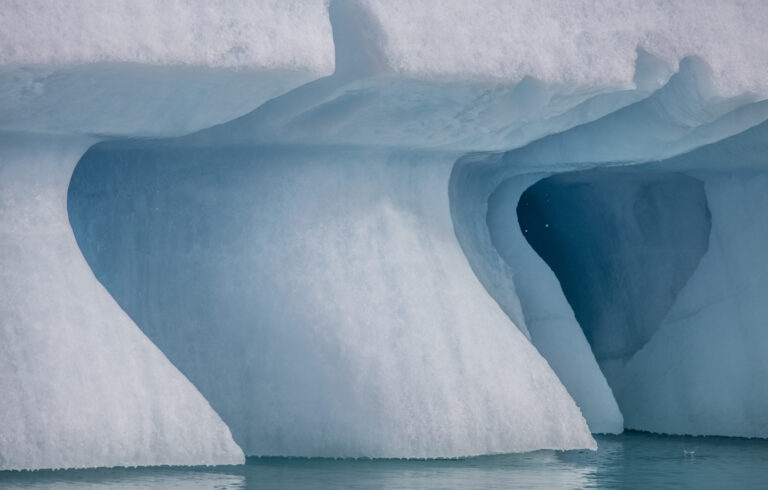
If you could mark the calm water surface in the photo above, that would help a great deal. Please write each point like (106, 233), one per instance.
(631, 460)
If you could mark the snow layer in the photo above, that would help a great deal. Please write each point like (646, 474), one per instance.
(574, 43)
(579, 42)
(148, 68)
(291, 35)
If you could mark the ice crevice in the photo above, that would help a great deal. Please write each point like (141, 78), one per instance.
(314, 257)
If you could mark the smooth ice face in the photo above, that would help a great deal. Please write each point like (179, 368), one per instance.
(705, 367)
(317, 298)
(547, 317)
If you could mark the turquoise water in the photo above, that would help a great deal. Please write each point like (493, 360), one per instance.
(631, 460)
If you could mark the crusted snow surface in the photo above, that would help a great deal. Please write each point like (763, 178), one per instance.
(575, 42)
(264, 35)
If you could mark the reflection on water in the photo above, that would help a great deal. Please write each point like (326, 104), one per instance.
(123, 478)
(631, 460)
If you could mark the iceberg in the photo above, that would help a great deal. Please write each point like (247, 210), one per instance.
(377, 229)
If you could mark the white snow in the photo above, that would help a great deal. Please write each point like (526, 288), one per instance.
(576, 42)
(291, 35)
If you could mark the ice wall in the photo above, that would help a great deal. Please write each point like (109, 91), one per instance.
(317, 297)
(627, 245)
(548, 317)
(663, 264)
(82, 386)
(705, 366)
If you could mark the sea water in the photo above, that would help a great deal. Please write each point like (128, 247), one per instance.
(629, 460)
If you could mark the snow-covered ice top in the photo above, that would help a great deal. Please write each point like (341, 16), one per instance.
(575, 41)
(266, 34)
(578, 41)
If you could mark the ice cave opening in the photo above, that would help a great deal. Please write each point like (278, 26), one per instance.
(638, 283)
(622, 243)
